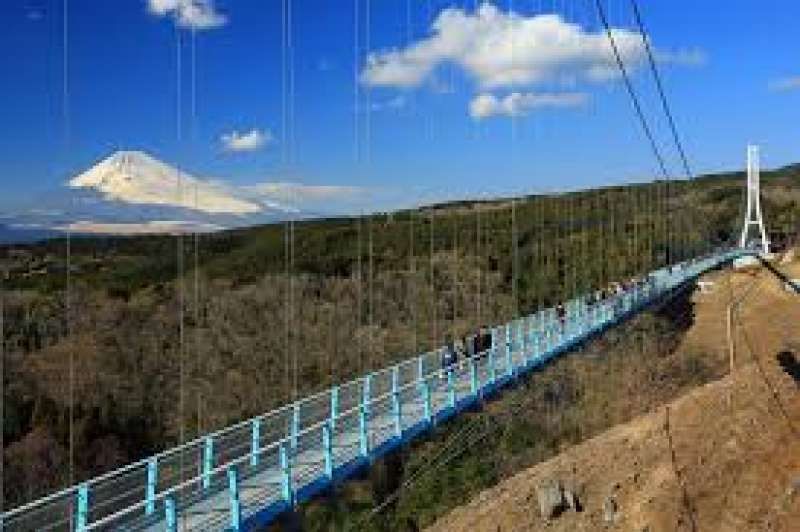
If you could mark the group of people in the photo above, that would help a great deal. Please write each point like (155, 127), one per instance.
(469, 346)
(615, 289)
(476, 345)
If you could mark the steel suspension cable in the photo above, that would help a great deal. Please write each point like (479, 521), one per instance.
(412, 288)
(360, 295)
(196, 238)
(434, 330)
(479, 248)
(660, 87)
(68, 295)
(630, 89)
(456, 291)
(370, 294)
(515, 260)
(2, 392)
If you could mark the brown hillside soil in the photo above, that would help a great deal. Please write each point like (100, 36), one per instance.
(724, 457)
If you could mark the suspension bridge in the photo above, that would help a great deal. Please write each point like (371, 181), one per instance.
(248, 474)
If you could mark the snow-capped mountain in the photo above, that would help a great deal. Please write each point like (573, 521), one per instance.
(131, 192)
(137, 178)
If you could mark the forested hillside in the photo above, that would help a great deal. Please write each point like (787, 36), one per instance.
(170, 337)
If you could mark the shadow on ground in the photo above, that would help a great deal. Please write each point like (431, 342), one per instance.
(789, 364)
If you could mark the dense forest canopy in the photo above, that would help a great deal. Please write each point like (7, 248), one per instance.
(249, 318)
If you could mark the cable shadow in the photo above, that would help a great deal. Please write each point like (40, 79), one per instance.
(779, 274)
(787, 360)
(685, 499)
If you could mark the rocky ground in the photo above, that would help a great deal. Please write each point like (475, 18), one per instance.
(724, 457)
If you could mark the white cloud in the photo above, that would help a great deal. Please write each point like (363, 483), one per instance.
(506, 49)
(194, 14)
(153, 227)
(247, 141)
(487, 105)
(692, 57)
(392, 104)
(34, 14)
(298, 193)
(312, 199)
(786, 84)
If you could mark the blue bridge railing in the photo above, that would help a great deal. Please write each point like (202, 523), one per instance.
(249, 473)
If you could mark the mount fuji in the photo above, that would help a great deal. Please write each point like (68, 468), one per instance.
(131, 192)
(137, 178)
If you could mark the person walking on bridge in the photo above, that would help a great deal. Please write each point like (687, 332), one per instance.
(448, 356)
(561, 313)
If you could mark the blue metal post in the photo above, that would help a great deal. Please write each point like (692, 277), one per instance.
(426, 394)
(152, 480)
(492, 369)
(396, 406)
(473, 376)
(327, 447)
(422, 385)
(509, 351)
(286, 468)
(208, 461)
(545, 338)
(255, 442)
(363, 431)
(233, 492)
(587, 318)
(528, 341)
(295, 424)
(367, 392)
(451, 388)
(170, 515)
(572, 319)
(82, 508)
(334, 406)
(366, 398)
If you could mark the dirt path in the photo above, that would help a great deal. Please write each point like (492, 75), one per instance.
(724, 457)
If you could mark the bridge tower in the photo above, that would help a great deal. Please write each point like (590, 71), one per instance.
(753, 216)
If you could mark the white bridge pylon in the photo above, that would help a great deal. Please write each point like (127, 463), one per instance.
(753, 216)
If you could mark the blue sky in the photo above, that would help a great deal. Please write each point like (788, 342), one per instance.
(732, 71)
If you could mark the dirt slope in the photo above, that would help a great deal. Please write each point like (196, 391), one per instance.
(725, 457)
